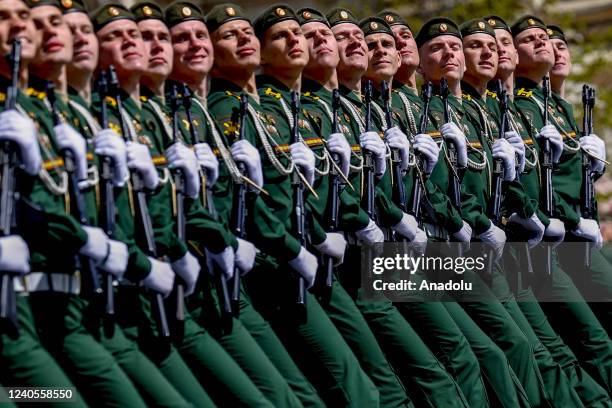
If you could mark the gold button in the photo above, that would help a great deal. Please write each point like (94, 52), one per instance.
(280, 12)
(443, 28)
(344, 14)
(113, 11)
(230, 11)
(186, 11)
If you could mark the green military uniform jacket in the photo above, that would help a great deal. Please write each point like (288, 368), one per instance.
(529, 97)
(264, 227)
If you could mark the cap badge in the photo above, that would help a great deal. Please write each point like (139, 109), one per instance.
(280, 12)
(186, 11)
(443, 28)
(344, 14)
(481, 25)
(230, 11)
(113, 11)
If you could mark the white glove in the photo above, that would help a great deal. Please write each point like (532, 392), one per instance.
(333, 246)
(14, 255)
(97, 246)
(306, 265)
(589, 230)
(139, 159)
(396, 139)
(419, 243)
(304, 158)
(454, 135)
(69, 139)
(161, 277)
(181, 157)
(504, 151)
(337, 143)
(464, 234)
(20, 129)
(371, 234)
(429, 150)
(551, 133)
(496, 238)
(223, 260)
(596, 146)
(117, 259)
(531, 224)
(555, 232)
(188, 268)
(108, 143)
(371, 142)
(245, 152)
(208, 161)
(407, 227)
(245, 256)
(519, 148)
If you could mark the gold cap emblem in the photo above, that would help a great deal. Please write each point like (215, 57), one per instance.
(67, 4)
(389, 18)
(549, 31)
(443, 28)
(230, 11)
(280, 12)
(343, 14)
(113, 11)
(531, 21)
(186, 11)
(307, 15)
(147, 11)
(492, 22)
(481, 25)
(373, 25)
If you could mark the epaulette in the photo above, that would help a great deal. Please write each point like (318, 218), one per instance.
(35, 93)
(270, 92)
(492, 94)
(524, 92)
(467, 97)
(230, 93)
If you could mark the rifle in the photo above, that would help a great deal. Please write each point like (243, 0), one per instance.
(142, 209)
(547, 164)
(108, 193)
(8, 198)
(179, 183)
(298, 196)
(368, 161)
(86, 265)
(334, 203)
(399, 192)
(503, 127)
(588, 191)
(239, 207)
(417, 187)
(208, 201)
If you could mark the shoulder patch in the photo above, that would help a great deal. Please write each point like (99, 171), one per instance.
(525, 93)
(492, 94)
(467, 97)
(270, 92)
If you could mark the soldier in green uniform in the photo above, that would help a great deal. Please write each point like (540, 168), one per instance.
(588, 390)
(480, 49)
(63, 326)
(397, 338)
(441, 54)
(196, 346)
(25, 362)
(599, 271)
(583, 332)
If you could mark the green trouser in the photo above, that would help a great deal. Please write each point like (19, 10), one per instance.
(154, 388)
(495, 319)
(425, 378)
(314, 342)
(262, 365)
(578, 326)
(443, 336)
(591, 394)
(505, 389)
(594, 282)
(134, 315)
(353, 327)
(25, 363)
(59, 320)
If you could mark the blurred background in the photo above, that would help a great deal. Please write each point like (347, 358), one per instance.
(587, 25)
